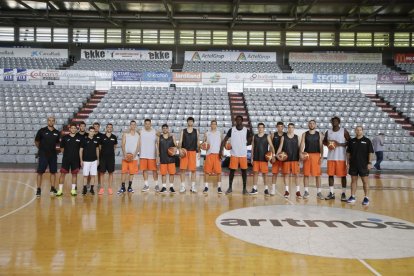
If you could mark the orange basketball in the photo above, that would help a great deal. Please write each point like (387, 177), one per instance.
(228, 146)
(305, 156)
(268, 156)
(205, 146)
(331, 145)
(129, 157)
(282, 156)
(172, 151)
(183, 152)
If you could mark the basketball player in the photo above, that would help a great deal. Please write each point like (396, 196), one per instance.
(130, 145)
(277, 164)
(70, 147)
(240, 138)
(98, 137)
(167, 162)
(89, 156)
(312, 144)
(82, 130)
(290, 144)
(212, 166)
(337, 157)
(147, 151)
(46, 140)
(260, 146)
(359, 155)
(107, 158)
(189, 140)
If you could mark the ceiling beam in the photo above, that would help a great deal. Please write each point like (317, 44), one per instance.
(373, 14)
(102, 14)
(302, 15)
(36, 12)
(235, 12)
(169, 13)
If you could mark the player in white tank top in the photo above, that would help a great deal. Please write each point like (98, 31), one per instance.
(147, 152)
(213, 137)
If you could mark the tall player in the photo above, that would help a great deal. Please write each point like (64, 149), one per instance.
(260, 146)
(240, 138)
(82, 130)
(89, 156)
(147, 152)
(189, 140)
(70, 147)
(337, 161)
(212, 165)
(311, 150)
(107, 158)
(277, 164)
(167, 162)
(98, 137)
(290, 144)
(46, 140)
(130, 145)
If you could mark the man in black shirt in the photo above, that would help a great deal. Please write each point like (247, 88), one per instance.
(167, 163)
(98, 137)
(46, 140)
(70, 146)
(82, 130)
(107, 157)
(89, 156)
(359, 154)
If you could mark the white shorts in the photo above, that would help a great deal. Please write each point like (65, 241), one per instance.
(90, 168)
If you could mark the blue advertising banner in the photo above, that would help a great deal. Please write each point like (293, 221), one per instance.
(8, 74)
(329, 78)
(126, 76)
(21, 74)
(157, 76)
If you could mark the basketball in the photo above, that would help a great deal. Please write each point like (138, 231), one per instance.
(305, 156)
(268, 156)
(205, 146)
(183, 152)
(172, 151)
(331, 145)
(228, 146)
(129, 157)
(282, 156)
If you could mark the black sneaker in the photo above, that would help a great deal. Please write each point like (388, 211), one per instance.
(92, 191)
(266, 192)
(38, 192)
(229, 191)
(343, 197)
(172, 190)
(245, 192)
(53, 191)
(219, 190)
(254, 192)
(205, 190)
(330, 196)
(121, 191)
(163, 190)
(85, 190)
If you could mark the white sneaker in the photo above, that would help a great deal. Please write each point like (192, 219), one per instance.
(145, 189)
(157, 188)
(193, 189)
(182, 189)
(273, 192)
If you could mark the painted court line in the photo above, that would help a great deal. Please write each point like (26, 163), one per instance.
(23, 206)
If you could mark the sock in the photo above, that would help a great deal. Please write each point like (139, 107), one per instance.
(164, 184)
(331, 189)
(219, 184)
(171, 185)
(123, 185)
(156, 182)
(319, 190)
(274, 187)
(297, 188)
(287, 188)
(255, 187)
(73, 186)
(146, 182)
(266, 187)
(244, 177)
(231, 177)
(206, 184)
(307, 189)
(192, 184)
(60, 187)
(129, 184)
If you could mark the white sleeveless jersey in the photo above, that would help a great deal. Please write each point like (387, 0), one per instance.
(238, 142)
(131, 142)
(214, 139)
(339, 153)
(148, 144)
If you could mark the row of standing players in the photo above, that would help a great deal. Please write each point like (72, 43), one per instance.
(95, 153)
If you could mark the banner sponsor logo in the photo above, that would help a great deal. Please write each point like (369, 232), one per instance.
(8, 74)
(126, 54)
(94, 54)
(157, 76)
(329, 78)
(126, 76)
(404, 58)
(186, 77)
(230, 56)
(159, 55)
(46, 54)
(33, 53)
(6, 53)
(392, 79)
(21, 74)
(44, 75)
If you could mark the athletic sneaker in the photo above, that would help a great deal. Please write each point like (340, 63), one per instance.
(298, 195)
(254, 192)
(110, 192)
(229, 191)
(101, 191)
(121, 191)
(182, 189)
(53, 191)
(330, 196)
(92, 191)
(163, 190)
(193, 190)
(343, 197)
(266, 192)
(205, 190)
(320, 196)
(273, 192)
(219, 190)
(305, 195)
(145, 189)
(351, 199)
(59, 193)
(73, 192)
(286, 195)
(130, 190)
(365, 201)
(38, 192)
(245, 192)
(85, 190)
(172, 190)
(157, 188)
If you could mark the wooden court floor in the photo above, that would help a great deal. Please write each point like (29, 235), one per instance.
(152, 234)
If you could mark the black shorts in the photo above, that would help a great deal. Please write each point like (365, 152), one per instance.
(358, 172)
(106, 164)
(70, 166)
(47, 161)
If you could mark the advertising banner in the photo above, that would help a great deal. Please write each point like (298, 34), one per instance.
(335, 57)
(329, 78)
(241, 56)
(392, 79)
(125, 54)
(126, 76)
(8, 74)
(157, 76)
(404, 58)
(186, 76)
(21, 74)
(33, 53)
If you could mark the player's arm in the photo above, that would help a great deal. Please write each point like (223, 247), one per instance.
(302, 144)
(252, 155)
(272, 148)
(347, 138)
(97, 154)
(325, 139)
(279, 150)
(205, 137)
(137, 146)
(123, 145)
(115, 143)
(81, 155)
(370, 154)
(37, 139)
(224, 141)
(139, 143)
(321, 137)
(249, 137)
(62, 146)
(180, 143)
(198, 145)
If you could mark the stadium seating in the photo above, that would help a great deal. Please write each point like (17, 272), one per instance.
(340, 68)
(407, 67)
(31, 63)
(403, 100)
(122, 65)
(231, 66)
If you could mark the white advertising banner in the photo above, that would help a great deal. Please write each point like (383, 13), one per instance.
(252, 77)
(335, 57)
(241, 56)
(23, 75)
(125, 54)
(33, 53)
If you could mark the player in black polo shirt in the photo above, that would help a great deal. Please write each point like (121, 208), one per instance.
(107, 157)
(359, 154)
(89, 155)
(46, 140)
(98, 137)
(82, 130)
(70, 146)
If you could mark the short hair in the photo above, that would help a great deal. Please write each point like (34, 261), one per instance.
(132, 121)
(239, 116)
(380, 133)
(73, 124)
(260, 124)
(336, 118)
(360, 127)
(96, 123)
(291, 124)
(312, 120)
(109, 124)
(164, 125)
(280, 124)
(147, 120)
(82, 123)
(190, 119)
(91, 128)
(213, 121)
